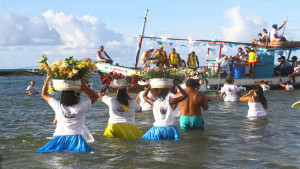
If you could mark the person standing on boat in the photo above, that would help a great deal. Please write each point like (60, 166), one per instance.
(163, 127)
(161, 55)
(224, 65)
(274, 33)
(230, 91)
(31, 88)
(284, 68)
(252, 61)
(121, 123)
(70, 116)
(190, 108)
(192, 60)
(147, 55)
(256, 101)
(102, 56)
(174, 59)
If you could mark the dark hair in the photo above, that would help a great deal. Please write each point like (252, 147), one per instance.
(259, 91)
(259, 34)
(228, 80)
(274, 26)
(266, 82)
(264, 29)
(261, 82)
(192, 83)
(159, 92)
(288, 82)
(240, 48)
(123, 97)
(295, 57)
(68, 98)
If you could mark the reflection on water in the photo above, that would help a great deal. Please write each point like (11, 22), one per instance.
(230, 139)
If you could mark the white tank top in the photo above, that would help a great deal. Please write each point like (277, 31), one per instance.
(289, 87)
(256, 109)
(145, 106)
(102, 54)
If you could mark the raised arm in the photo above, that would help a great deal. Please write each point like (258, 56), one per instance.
(246, 97)
(281, 84)
(137, 97)
(179, 99)
(147, 99)
(45, 89)
(282, 25)
(90, 93)
(100, 94)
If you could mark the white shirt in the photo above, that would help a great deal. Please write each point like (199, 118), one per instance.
(31, 89)
(70, 120)
(274, 31)
(265, 87)
(163, 112)
(289, 87)
(117, 113)
(183, 86)
(230, 92)
(202, 87)
(224, 64)
(297, 69)
(145, 106)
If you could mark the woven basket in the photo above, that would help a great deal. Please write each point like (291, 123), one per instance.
(118, 84)
(60, 85)
(161, 83)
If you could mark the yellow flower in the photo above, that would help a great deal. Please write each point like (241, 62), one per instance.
(71, 74)
(41, 61)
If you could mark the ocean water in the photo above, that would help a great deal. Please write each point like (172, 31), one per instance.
(229, 140)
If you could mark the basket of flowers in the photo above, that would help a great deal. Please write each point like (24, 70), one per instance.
(161, 77)
(118, 80)
(66, 73)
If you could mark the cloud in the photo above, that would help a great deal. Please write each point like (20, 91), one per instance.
(60, 35)
(17, 30)
(240, 28)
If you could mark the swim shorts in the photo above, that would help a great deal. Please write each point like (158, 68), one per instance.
(191, 123)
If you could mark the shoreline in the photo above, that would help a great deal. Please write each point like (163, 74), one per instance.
(21, 73)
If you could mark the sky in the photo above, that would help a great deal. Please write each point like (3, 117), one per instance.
(77, 28)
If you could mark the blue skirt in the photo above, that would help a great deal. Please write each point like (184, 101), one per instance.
(71, 143)
(162, 133)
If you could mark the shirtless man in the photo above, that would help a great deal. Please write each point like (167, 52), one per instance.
(190, 108)
(102, 56)
(146, 56)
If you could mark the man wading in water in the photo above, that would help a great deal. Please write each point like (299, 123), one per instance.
(190, 108)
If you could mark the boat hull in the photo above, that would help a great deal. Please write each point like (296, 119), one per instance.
(106, 68)
(273, 81)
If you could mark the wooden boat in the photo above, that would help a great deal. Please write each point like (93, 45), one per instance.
(283, 44)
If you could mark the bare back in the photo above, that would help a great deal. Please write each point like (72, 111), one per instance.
(191, 106)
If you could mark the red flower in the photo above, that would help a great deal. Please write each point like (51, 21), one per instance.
(87, 59)
(108, 80)
(128, 89)
(111, 73)
(133, 81)
(120, 74)
(123, 77)
(115, 73)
